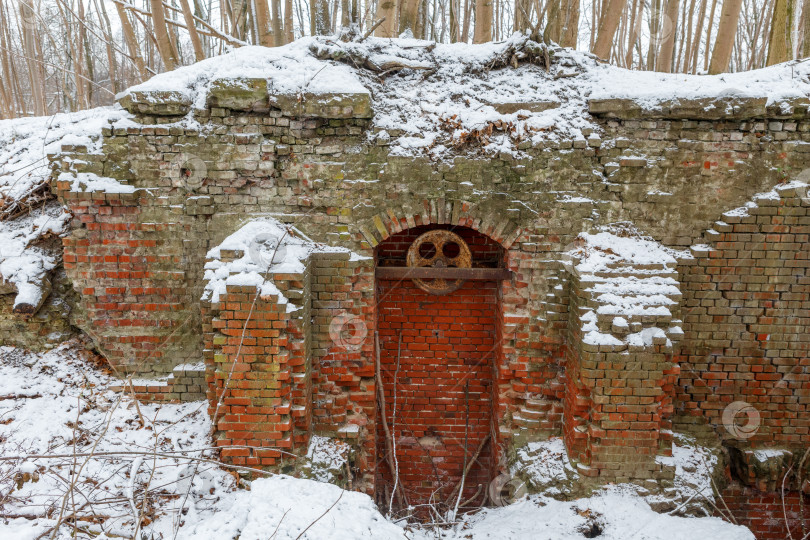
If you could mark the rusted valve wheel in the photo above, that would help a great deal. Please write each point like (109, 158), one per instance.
(439, 249)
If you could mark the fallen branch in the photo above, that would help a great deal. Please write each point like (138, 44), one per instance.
(466, 438)
(25, 203)
(16, 396)
(371, 30)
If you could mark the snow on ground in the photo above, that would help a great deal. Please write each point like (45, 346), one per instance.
(57, 404)
(26, 142)
(24, 146)
(23, 264)
(609, 516)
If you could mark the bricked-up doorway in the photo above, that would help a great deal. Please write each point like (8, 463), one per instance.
(445, 371)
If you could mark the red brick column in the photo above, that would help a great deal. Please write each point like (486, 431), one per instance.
(254, 357)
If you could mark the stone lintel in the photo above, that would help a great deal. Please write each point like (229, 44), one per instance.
(156, 103)
(708, 108)
(324, 105)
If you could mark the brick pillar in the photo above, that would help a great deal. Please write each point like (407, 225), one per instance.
(619, 370)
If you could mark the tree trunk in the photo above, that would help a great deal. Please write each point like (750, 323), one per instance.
(664, 62)
(496, 31)
(262, 15)
(726, 34)
(780, 48)
(454, 21)
(132, 42)
(387, 9)
(522, 10)
(698, 33)
(709, 37)
(289, 26)
(164, 44)
(655, 28)
(28, 16)
(806, 29)
(188, 16)
(409, 17)
(569, 22)
(84, 46)
(112, 68)
(278, 33)
(465, 26)
(563, 21)
(483, 21)
(633, 31)
(607, 28)
(687, 51)
(319, 17)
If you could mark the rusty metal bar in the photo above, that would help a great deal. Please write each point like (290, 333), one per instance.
(429, 272)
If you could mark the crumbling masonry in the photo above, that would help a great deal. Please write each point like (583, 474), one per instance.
(556, 332)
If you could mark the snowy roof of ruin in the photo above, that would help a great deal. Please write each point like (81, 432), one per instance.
(428, 96)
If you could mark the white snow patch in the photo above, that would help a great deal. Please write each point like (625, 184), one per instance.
(264, 247)
(23, 264)
(60, 398)
(291, 69)
(94, 182)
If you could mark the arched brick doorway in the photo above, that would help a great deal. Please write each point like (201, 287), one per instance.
(442, 352)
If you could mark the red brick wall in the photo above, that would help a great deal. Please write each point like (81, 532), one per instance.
(449, 344)
(764, 512)
(747, 313)
(445, 384)
(132, 289)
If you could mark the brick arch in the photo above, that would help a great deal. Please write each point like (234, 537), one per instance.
(395, 219)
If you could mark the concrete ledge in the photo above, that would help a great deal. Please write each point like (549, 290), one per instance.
(324, 105)
(239, 94)
(156, 103)
(710, 108)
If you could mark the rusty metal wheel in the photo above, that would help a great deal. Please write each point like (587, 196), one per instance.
(439, 249)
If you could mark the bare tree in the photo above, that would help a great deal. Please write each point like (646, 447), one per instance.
(483, 21)
(693, 61)
(664, 61)
(780, 48)
(36, 77)
(164, 43)
(607, 28)
(726, 33)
